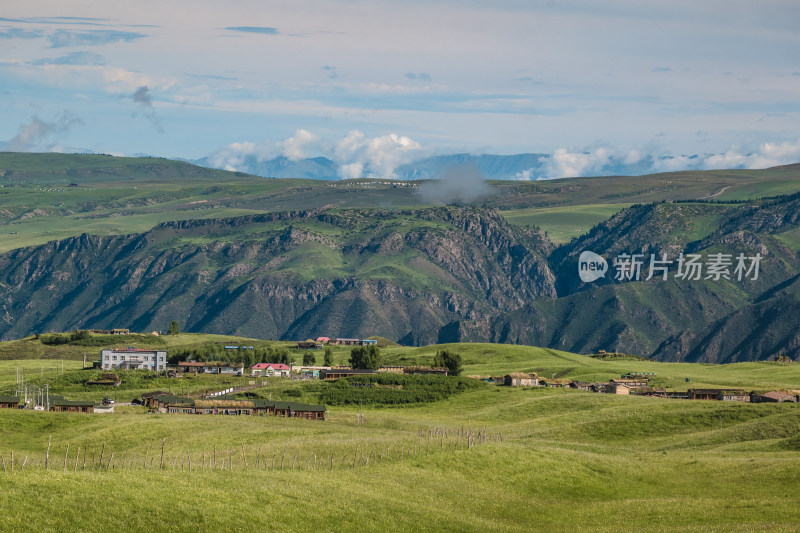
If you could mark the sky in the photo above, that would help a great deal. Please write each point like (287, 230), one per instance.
(375, 84)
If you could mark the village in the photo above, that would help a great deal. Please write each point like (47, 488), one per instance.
(224, 402)
(638, 384)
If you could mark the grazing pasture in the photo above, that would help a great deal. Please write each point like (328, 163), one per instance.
(471, 457)
(550, 460)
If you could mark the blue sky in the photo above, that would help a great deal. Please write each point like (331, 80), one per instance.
(380, 83)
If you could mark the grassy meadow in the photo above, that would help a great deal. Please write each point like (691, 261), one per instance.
(563, 224)
(44, 197)
(486, 458)
(552, 460)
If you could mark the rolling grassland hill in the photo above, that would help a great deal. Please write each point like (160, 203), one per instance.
(486, 457)
(52, 196)
(490, 458)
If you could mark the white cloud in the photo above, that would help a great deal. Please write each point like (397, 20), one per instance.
(525, 175)
(351, 171)
(234, 156)
(565, 163)
(767, 155)
(375, 156)
(237, 156)
(296, 147)
(355, 154)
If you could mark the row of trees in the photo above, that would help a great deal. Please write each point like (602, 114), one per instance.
(361, 357)
(310, 358)
(241, 355)
(366, 357)
(449, 360)
(369, 357)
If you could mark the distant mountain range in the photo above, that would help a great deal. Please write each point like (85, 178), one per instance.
(492, 167)
(499, 167)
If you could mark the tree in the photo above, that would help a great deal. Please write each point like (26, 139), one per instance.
(449, 360)
(328, 356)
(173, 328)
(309, 359)
(367, 357)
(79, 335)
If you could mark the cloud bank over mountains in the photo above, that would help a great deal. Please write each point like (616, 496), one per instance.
(357, 155)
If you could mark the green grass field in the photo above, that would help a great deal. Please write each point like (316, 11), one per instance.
(131, 195)
(488, 458)
(480, 359)
(552, 460)
(32, 348)
(563, 224)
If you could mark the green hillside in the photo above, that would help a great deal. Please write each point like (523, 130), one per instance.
(117, 196)
(486, 457)
(495, 458)
(44, 363)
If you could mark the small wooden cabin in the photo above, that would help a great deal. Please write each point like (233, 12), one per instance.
(521, 379)
(73, 406)
(9, 402)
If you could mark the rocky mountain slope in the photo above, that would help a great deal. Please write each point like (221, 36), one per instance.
(404, 275)
(422, 276)
(321, 259)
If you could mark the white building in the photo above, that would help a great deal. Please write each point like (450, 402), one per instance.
(134, 359)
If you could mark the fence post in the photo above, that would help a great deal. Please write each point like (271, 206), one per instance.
(47, 455)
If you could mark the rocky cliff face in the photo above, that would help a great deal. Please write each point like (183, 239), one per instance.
(401, 275)
(423, 276)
